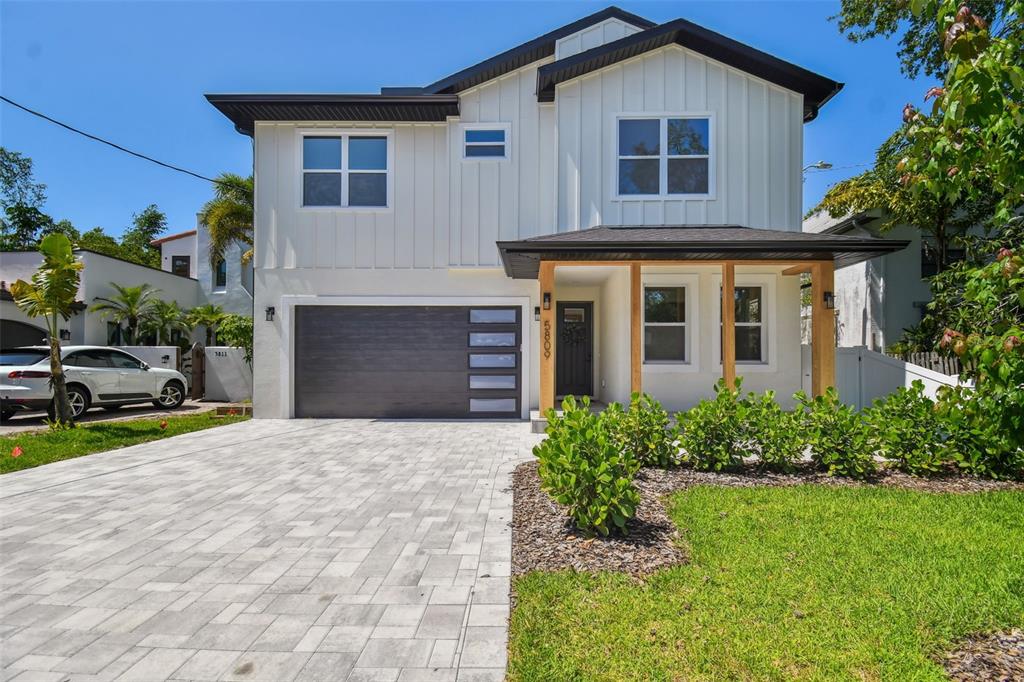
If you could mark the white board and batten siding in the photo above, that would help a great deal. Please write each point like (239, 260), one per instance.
(757, 145)
(594, 36)
(447, 212)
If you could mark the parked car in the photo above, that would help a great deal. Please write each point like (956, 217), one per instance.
(96, 376)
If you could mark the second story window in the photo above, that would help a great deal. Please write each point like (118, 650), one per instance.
(345, 171)
(486, 143)
(667, 156)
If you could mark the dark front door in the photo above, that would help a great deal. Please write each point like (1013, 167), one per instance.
(574, 354)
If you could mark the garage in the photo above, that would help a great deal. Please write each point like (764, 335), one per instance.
(405, 362)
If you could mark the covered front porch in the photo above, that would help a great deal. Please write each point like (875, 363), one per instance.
(671, 310)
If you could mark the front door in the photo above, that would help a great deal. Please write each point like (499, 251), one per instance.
(574, 356)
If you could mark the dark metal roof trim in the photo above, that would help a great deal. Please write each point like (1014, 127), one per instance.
(816, 89)
(719, 242)
(528, 52)
(245, 110)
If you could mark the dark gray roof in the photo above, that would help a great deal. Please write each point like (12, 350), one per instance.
(245, 110)
(816, 89)
(528, 52)
(692, 242)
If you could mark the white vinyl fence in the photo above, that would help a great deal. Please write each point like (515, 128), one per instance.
(863, 375)
(227, 374)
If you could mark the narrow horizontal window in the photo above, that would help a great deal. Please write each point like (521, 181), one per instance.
(492, 316)
(492, 381)
(497, 339)
(485, 143)
(492, 404)
(492, 360)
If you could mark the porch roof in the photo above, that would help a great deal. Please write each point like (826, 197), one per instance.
(691, 242)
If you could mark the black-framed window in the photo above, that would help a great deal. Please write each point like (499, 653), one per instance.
(220, 274)
(181, 265)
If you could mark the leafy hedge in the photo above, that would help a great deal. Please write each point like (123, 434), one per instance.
(588, 460)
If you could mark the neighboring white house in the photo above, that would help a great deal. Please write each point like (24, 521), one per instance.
(85, 326)
(559, 218)
(877, 299)
(227, 283)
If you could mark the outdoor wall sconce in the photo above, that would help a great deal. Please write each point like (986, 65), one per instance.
(65, 334)
(547, 300)
(536, 313)
(830, 300)
(270, 313)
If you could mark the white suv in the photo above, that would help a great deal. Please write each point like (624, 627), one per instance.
(96, 376)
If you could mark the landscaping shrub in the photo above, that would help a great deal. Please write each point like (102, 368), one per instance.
(712, 433)
(772, 432)
(839, 439)
(981, 432)
(645, 430)
(584, 467)
(906, 429)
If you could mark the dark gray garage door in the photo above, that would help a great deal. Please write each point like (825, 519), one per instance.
(407, 361)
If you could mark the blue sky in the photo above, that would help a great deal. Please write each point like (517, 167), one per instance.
(136, 72)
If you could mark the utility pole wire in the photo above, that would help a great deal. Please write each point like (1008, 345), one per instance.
(119, 147)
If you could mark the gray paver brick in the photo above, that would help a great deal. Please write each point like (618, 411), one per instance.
(267, 550)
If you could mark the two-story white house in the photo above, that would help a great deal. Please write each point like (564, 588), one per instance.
(562, 218)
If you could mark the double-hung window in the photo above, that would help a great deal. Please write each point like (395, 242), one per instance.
(345, 171)
(750, 325)
(665, 338)
(666, 156)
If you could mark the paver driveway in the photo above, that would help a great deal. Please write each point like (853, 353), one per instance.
(266, 550)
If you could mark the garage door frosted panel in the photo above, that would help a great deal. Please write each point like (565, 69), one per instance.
(387, 361)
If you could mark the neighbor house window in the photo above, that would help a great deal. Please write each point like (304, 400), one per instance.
(668, 156)
(665, 324)
(485, 143)
(181, 265)
(220, 274)
(750, 320)
(345, 171)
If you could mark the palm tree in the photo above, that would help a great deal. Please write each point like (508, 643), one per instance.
(165, 319)
(229, 215)
(131, 305)
(50, 295)
(207, 316)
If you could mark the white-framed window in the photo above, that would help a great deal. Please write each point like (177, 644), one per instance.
(345, 169)
(755, 324)
(670, 322)
(664, 156)
(485, 141)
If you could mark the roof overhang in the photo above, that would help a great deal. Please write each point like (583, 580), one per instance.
(246, 110)
(173, 237)
(816, 89)
(521, 259)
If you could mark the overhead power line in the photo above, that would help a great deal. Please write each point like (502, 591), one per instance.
(118, 147)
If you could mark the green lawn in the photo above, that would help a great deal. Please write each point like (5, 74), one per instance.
(808, 582)
(53, 446)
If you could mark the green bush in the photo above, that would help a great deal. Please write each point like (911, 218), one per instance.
(839, 439)
(772, 432)
(645, 430)
(983, 439)
(712, 434)
(906, 429)
(583, 467)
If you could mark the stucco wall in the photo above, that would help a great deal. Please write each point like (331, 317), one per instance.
(184, 246)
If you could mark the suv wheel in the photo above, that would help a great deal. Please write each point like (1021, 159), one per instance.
(79, 400)
(172, 395)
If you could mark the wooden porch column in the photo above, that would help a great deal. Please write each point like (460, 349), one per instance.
(546, 279)
(823, 329)
(636, 304)
(729, 324)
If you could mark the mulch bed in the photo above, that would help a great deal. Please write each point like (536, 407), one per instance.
(998, 656)
(544, 539)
